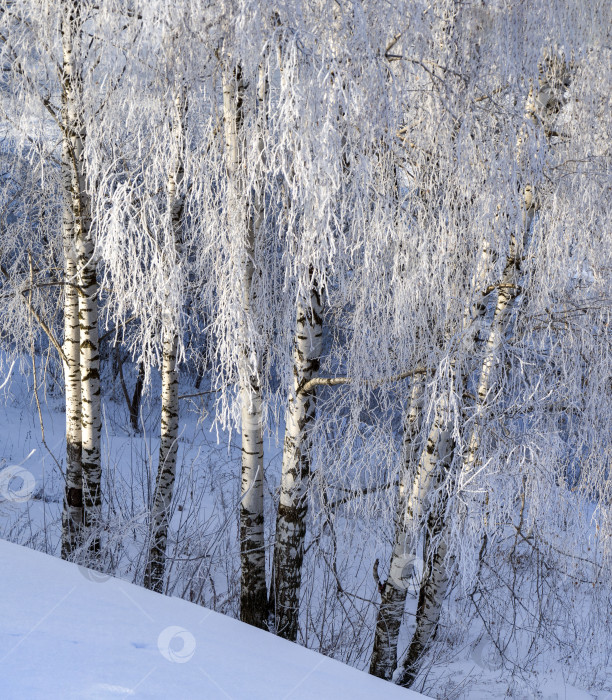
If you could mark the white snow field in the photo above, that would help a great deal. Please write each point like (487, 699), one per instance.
(68, 632)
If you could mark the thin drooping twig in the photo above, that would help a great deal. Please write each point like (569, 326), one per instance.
(39, 319)
(33, 356)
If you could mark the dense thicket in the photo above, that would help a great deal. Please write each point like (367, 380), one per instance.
(382, 230)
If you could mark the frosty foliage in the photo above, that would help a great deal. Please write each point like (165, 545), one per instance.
(389, 156)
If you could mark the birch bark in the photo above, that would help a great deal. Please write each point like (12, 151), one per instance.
(293, 505)
(166, 474)
(253, 591)
(416, 486)
(72, 516)
(431, 595)
(435, 583)
(89, 360)
(393, 596)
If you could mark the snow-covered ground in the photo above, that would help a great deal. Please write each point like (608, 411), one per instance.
(68, 632)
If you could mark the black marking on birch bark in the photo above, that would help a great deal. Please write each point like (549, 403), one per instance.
(393, 598)
(388, 622)
(72, 516)
(164, 483)
(431, 595)
(74, 497)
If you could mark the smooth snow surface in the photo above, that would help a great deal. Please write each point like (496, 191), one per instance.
(67, 632)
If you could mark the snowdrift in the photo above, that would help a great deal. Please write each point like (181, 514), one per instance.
(68, 632)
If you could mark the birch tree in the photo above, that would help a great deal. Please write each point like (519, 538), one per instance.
(247, 222)
(54, 52)
(423, 469)
(149, 234)
(307, 342)
(72, 518)
(164, 483)
(83, 263)
(291, 518)
(549, 100)
(330, 177)
(436, 511)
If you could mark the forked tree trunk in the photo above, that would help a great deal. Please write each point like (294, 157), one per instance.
(434, 585)
(416, 485)
(253, 591)
(432, 592)
(421, 471)
(394, 592)
(166, 473)
(293, 505)
(89, 359)
(436, 455)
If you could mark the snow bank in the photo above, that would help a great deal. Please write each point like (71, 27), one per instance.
(68, 632)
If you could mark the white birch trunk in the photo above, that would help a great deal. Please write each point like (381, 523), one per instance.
(434, 585)
(436, 456)
(164, 484)
(507, 294)
(431, 596)
(253, 591)
(166, 473)
(435, 581)
(293, 505)
(89, 360)
(415, 488)
(72, 516)
(91, 424)
(394, 592)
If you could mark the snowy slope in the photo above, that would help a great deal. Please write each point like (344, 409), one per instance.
(67, 632)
